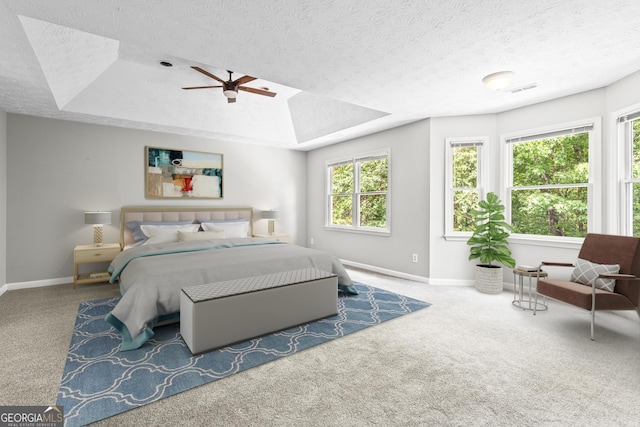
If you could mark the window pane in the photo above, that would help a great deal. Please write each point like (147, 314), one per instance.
(342, 179)
(373, 210)
(465, 167)
(550, 212)
(374, 175)
(558, 160)
(341, 210)
(636, 209)
(463, 203)
(636, 149)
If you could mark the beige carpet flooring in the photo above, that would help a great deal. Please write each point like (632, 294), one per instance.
(470, 359)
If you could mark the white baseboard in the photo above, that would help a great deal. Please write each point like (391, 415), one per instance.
(393, 273)
(431, 281)
(401, 275)
(35, 284)
(385, 271)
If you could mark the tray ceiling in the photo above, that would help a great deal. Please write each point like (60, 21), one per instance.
(341, 69)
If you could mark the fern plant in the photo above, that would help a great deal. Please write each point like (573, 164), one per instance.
(489, 240)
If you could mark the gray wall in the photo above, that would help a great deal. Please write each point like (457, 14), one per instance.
(59, 169)
(410, 188)
(448, 259)
(3, 197)
(418, 179)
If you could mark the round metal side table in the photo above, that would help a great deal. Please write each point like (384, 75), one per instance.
(519, 298)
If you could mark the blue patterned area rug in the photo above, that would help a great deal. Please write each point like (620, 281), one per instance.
(99, 381)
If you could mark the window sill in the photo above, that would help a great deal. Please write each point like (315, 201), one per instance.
(384, 233)
(547, 241)
(531, 240)
(457, 237)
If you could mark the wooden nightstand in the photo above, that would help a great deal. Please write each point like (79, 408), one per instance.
(278, 237)
(85, 254)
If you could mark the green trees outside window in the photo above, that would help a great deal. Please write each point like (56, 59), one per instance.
(634, 180)
(550, 179)
(465, 187)
(358, 192)
(342, 188)
(548, 192)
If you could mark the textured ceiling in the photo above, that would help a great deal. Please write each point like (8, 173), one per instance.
(341, 68)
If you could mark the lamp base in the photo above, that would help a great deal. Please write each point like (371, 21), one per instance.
(97, 235)
(271, 227)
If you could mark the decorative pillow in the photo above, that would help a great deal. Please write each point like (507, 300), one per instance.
(587, 272)
(184, 236)
(137, 233)
(201, 221)
(231, 230)
(165, 233)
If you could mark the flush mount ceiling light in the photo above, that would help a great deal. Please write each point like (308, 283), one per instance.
(499, 80)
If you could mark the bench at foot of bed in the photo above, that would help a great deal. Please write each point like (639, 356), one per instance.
(219, 314)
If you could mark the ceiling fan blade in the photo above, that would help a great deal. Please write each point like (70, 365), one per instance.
(230, 100)
(208, 74)
(200, 87)
(257, 91)
(243, 80)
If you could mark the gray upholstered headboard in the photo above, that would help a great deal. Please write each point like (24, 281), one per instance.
(178, 213)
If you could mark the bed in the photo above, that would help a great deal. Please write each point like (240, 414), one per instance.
(168, 248)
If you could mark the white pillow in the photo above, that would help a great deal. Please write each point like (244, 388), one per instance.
(231, 229)
(165, 233)
(587, 272)
(184, 236)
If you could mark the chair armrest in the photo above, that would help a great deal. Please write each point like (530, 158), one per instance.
(618, 276)
(557, 264)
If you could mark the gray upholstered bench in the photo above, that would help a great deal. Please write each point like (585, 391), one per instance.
(218, 314)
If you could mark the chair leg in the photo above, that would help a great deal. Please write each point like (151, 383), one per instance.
(593, 307)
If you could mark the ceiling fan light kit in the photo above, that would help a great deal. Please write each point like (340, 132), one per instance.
(498, 80)
(230, 93)
(231, 87)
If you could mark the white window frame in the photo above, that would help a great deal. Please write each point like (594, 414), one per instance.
(355, 221)
(482, 143)
(625, 139)
(594, 197)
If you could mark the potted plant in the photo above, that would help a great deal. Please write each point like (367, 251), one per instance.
(489, 244)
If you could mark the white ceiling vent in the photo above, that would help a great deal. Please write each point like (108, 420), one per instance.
(523, 88)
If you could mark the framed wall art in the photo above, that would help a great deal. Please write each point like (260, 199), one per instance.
(181, 174)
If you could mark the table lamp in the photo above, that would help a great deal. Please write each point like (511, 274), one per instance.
(271, 216)
(97, 219)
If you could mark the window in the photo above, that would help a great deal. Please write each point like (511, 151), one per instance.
(358, 193)
(549, 181)
(630, 131)
(464, 181)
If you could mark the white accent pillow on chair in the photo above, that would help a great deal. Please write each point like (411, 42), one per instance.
(586, 273)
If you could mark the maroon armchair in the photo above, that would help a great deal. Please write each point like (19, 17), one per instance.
(603, 250)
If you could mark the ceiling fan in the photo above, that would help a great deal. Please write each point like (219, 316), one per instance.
(230, 87)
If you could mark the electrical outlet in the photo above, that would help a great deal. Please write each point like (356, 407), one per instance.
(414, 258)
(312, 241)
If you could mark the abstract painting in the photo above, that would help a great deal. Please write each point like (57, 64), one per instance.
(181, 174)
